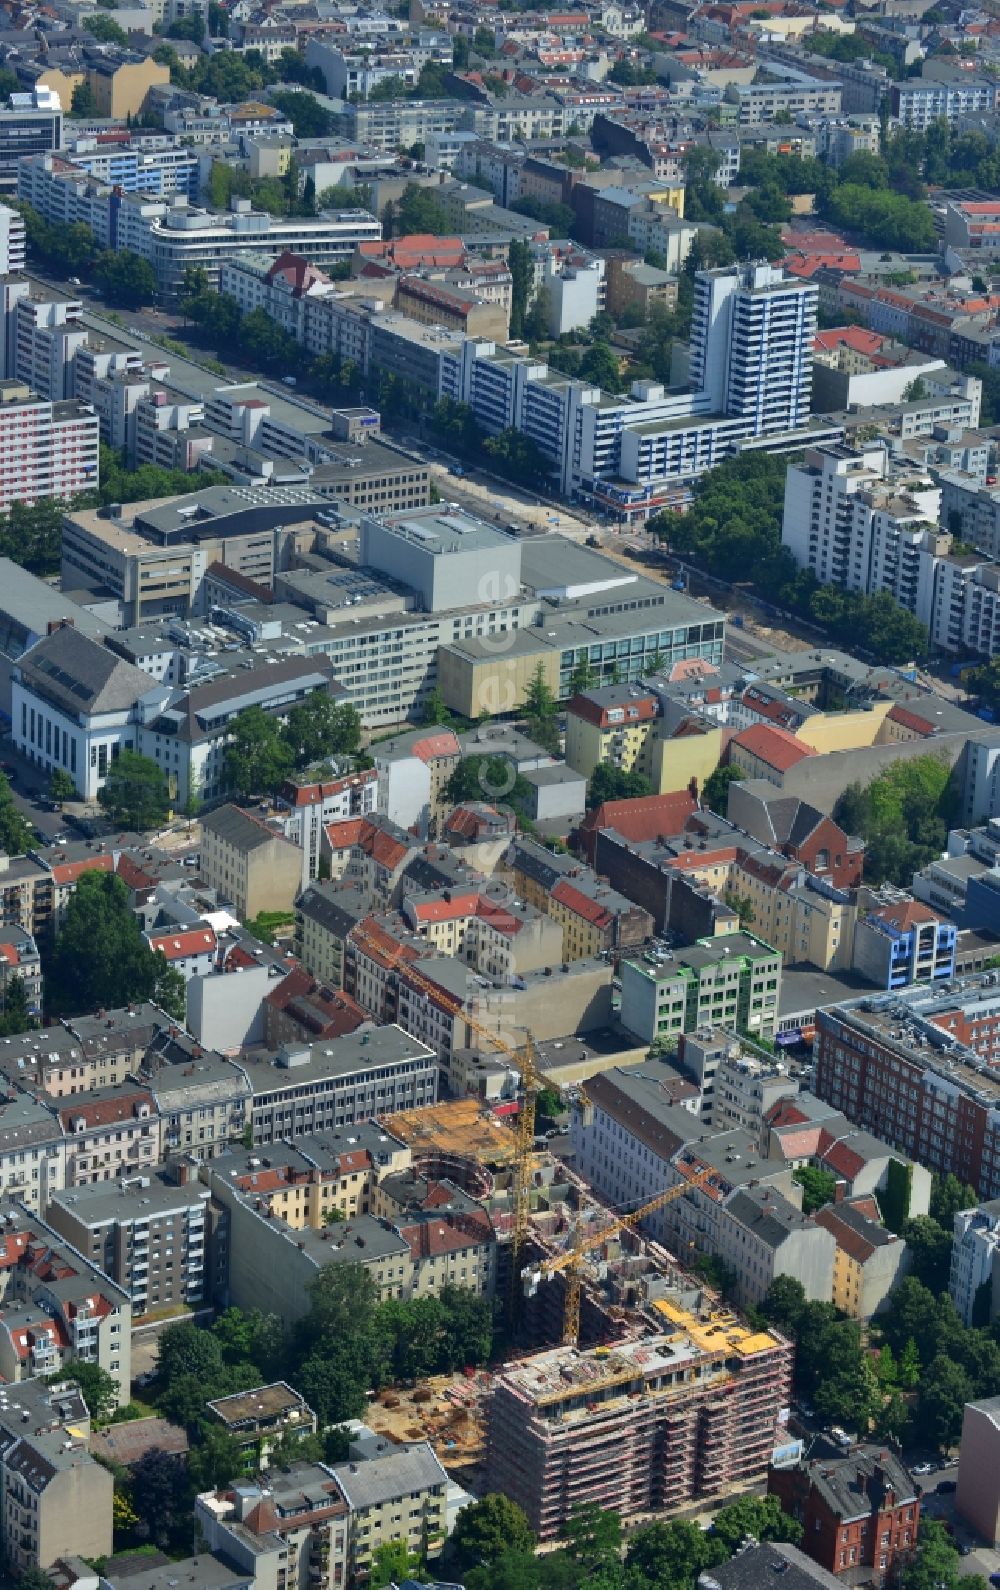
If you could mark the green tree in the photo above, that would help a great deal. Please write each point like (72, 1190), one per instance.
(930, 1249)
(945, 1388)
(99, 959)
(61, 786)
(486, 1530)
(106, 30)
(216, 1459)
(434, 712)
(784, 1303)
(35, 1579)
(162, 1496)
(819, 1187)
(15, 1015)
(134, 794)
(256, 758)
(320, 726)
(98, 1388)
(125, 278)
(392, 1562)
(715, 794)
(948, 1197)
(600, 365)
(761, 1517)
(467, 1337)
(935, 1563)
(583, 677)
(420, 211)
(593, 1538)
(83, 102)
(519, 264)
(609, 783)
(671, 1555)
(184, 1349)
(539, 698)
(191, 27)
(16, 835)
(169, 988)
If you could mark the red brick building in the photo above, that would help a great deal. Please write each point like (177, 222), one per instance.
(860, 1514)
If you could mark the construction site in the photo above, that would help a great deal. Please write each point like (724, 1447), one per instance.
(688, 1414)
(447, 1410)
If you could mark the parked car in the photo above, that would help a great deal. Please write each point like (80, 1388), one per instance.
(922, 1468)
(944, 1487)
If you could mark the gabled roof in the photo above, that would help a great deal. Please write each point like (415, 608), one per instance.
(775, 747)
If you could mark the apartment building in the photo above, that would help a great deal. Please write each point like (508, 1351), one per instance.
(920, 101)
(57, 1499)
(30, 124)
(781, 93)
(870, 1261)
(613, 725)
(83, 1053)
(631, 1141)
(13, 242)
(260, 1418)
(594, 917)
(301, 1183)
(55, 1305)
(918, 1068)
(400, 1494)
(249, 863)
(973, 1251)
(47, 449)
(860, 1513)
(903, 942)
(146, 1235)
(47, 334)
(174, 235)
(307, 803)
(322, 1087)
(642, 1427)
(110, 1132)
(732, 980)
(293, 1532)
(326, 913)
(855, 524)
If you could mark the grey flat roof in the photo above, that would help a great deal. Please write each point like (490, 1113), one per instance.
(379, 1046)
(105, 1202)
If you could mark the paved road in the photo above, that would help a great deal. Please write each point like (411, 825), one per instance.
(29, 784)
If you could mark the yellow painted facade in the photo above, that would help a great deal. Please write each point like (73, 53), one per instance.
(847, 1284)
(672, 764)
(122, 93)
(496, 684)
(673, 197)
(624, 745)
(845, 731)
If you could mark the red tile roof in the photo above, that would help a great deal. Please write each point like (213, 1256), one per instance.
(910, 720)
(775, 747)
(582, 904)
(176, 946)
(444, 743)
(67, 872)
(646, 817)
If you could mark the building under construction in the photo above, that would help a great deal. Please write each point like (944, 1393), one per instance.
(642, 1426)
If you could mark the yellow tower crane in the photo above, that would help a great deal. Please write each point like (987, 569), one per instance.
(532, 1080)
(571, 1261)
